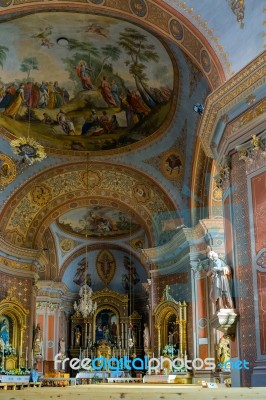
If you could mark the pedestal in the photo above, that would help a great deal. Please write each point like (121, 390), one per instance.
(258, 376)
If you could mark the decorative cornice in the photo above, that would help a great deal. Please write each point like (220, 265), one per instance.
(228, 95)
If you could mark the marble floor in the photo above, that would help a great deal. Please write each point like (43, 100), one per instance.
(134, 392)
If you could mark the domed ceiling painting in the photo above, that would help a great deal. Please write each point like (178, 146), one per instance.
(98, 222)
(83, 82)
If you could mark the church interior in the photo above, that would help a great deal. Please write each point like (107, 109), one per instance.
(132, 192)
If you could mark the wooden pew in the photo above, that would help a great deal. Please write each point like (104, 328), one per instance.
(35, 384)
(8, 385)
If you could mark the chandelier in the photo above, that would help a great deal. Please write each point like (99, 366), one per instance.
(85, 306)
(29, 149)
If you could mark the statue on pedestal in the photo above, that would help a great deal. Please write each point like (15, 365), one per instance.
(146, 336)
(221, 282)
(37, 340)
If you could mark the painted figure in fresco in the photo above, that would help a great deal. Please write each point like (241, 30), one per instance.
(37, 340)
(106, 92)
(44, 95)
(105, 122)
(9, 96)
(66, 124)
(131, 278)
(47, 119)
(114, 91)
(4, 329)
(220, 274)
(83, 72)
(81, 276)
(139, 108)
(16, 104)
(91, 122)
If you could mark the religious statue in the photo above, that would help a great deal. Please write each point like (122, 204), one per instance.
(4, 329)
(224, 352)
(77, 337)
(37, 340)
(166, 294)
(220, 274)
(146, 336)
(62, 346)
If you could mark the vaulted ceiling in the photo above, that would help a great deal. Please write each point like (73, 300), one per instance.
(139, 67)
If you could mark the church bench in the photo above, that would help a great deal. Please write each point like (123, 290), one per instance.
(35, 384)
(21, 385)
(8, 385)
(125, 380)
(46, 381)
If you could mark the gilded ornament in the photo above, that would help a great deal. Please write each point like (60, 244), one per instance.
(41, 195)
(8, 170)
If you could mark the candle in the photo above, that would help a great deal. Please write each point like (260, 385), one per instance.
(80, 353)
(91, 354)
(87, 352)
(26, 358)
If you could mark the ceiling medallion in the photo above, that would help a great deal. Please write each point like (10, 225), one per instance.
(29, 149)
(8, 171)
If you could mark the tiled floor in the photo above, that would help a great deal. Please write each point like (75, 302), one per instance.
(134, 392)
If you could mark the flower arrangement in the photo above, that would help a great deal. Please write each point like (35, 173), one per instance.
(15, 371)
(7, 348)
(170, 350)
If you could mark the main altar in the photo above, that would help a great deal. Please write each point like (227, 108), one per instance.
(109, 331)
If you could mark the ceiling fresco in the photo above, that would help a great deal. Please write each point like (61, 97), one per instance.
(83, 82)
(118, 270)
(97, 221)
(117, 79)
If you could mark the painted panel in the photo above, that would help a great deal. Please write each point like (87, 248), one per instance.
(258, 184)
(228, 231)
(261, 276)
(95, 222)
